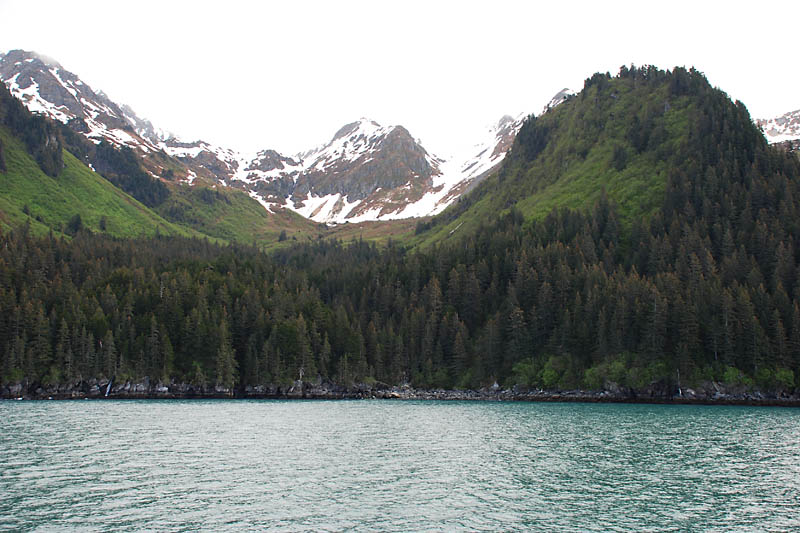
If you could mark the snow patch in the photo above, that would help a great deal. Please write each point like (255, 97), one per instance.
(783, 128)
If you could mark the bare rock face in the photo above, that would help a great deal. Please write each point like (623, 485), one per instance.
(784, 129)
(45, 87)
(268, 160)
(365, 172)
(387, 158)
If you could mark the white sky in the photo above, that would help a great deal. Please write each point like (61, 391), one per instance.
(286, 75)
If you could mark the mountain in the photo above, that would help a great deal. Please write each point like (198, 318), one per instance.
(621, 139)
(559, 98)
(365, 172)
(54, 176)
(784, 130)
(372, 172)
(640, 238)
(47, 187)
(45, 87)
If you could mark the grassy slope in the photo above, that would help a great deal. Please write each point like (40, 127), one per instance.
(51, 202)
(577, 164)
(381, 232)
(232, 215)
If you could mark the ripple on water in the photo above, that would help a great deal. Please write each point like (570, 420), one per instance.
(396, 466)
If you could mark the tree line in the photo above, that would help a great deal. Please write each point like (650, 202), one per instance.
(707, 287)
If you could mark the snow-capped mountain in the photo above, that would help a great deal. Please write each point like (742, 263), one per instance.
(560, 97)
(373, 172)
(45, 87)
(784, 129)
(365, 172)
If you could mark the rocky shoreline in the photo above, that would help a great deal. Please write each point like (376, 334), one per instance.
(709, 393)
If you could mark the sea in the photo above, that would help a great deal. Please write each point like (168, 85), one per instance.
(394, 465)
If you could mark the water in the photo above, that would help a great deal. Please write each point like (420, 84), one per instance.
(396, 466)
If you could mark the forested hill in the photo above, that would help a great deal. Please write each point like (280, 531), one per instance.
(702, 283)
(629, 137)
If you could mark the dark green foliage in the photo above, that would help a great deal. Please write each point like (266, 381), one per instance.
(78, 125)
(2, 158)
(74, 225)
(620, 137)
(41, 135)
(121, 167)
(45, 138)
(704, 287)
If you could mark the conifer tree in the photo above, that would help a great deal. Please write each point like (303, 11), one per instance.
(226, 373)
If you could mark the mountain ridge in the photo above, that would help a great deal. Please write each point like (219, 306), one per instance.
(365, 172)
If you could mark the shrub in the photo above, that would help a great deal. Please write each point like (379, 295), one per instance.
(784, 379)
(525, 372)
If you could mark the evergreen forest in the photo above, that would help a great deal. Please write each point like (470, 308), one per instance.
(642, 232)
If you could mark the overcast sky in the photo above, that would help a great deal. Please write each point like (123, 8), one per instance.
(286, 75)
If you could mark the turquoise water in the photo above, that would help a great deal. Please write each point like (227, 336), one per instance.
(396, 466)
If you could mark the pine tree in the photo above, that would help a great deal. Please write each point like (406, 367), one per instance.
(109, 356)
(226, 359)
(325, 357)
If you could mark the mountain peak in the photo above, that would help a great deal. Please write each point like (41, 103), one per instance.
(19, 55)
(366, 171)
(363, 126)
(560, 97)
(505, 119)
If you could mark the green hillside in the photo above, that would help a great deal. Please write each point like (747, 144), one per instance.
(231, 215)
(620, 137)
(27, 194)
(642, 237)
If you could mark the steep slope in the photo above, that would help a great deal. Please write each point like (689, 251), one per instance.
(621, 138)
(45, 87)
(462, 172)
(27, 194)
(46, 182)
(559, 98)
(469, 168)
(365, 172)
(371, 172)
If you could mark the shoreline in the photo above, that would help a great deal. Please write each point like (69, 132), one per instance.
(710, 394)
